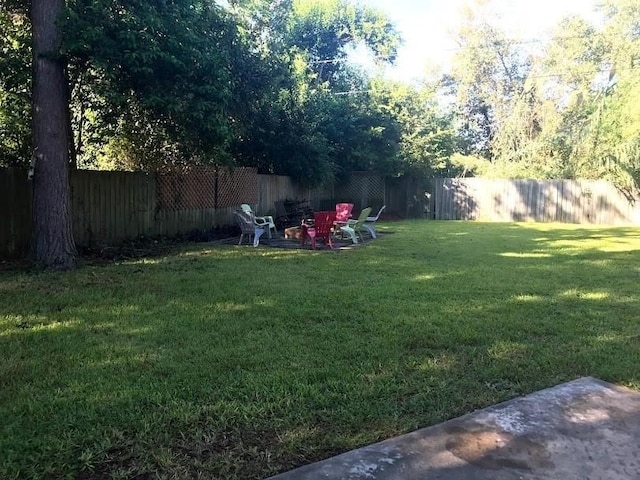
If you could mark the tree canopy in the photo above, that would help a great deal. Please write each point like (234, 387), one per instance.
(562, 111)
(270, 84)
(256, 83)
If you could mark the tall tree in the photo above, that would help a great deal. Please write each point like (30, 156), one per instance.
(613, 141)
(487, 76)
(159, 77)
(426, 134)
(322, 29)
(52, 244)
(313, 120)
(571, 67)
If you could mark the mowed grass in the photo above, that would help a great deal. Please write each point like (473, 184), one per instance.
(239, 363)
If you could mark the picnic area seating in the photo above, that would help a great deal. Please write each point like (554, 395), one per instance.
(248, 226)
(321, 227)
(265, 222)
(343, 214)
(369, 223)
(353, 227)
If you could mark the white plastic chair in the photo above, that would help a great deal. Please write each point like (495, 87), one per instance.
(248, 227)
(265, 222)
(369, 223)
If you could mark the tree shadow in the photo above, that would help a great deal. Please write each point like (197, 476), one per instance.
(580, 429)
(242, 363)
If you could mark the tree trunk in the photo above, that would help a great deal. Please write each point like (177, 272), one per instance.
(52, 244)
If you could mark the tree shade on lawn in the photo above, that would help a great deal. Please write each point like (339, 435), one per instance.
(238, 363)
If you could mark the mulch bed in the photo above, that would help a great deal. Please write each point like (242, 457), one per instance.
(278, 241)
(156, 247)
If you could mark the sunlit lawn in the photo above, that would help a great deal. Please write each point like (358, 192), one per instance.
(235, 363)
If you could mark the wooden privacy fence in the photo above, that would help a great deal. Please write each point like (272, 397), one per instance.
(15, 211)
(109, 207)
(570, 201)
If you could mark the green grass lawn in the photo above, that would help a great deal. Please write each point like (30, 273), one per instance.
(239, 363)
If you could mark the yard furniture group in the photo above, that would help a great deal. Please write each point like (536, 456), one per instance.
(300, 223)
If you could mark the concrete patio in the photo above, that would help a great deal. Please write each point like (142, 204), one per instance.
(586, 429)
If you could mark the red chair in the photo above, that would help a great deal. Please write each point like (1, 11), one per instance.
(321, 228)
(343, 214)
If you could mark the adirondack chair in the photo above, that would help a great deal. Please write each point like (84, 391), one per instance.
(353, 227)
(343, 214)
(248, 227)
(321, 228)
(369, 223)
(265, 222)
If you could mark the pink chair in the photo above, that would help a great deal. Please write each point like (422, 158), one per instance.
(343, 214)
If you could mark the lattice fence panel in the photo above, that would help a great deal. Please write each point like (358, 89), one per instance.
(364, 189)
(237, 186)
(190, 190)
(202, 188)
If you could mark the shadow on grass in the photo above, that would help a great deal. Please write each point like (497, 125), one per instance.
(233, 362)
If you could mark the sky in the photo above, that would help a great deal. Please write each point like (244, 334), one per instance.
(427, 26)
